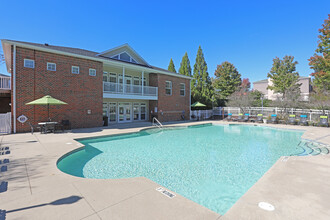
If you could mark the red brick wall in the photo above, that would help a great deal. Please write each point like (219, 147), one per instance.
(81, 91)
(170, 107)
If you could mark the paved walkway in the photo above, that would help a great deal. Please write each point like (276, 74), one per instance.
(298, 187)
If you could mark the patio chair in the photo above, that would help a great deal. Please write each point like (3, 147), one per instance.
(260, 118)
(273, 119)
(229, 117)
(34, 128)
(66, 124)
(246, 117)
(239, 117)
(303, 120)
(291, 120)
(324, 121)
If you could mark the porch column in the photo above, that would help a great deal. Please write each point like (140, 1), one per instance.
(124, 80)
(142, 81)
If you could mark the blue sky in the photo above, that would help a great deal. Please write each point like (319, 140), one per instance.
(248, 34)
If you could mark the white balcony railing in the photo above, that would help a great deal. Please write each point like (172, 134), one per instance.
(5, 82)
(118, 88)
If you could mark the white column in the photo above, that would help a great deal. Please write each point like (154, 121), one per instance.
(124, 79)
(142, 82)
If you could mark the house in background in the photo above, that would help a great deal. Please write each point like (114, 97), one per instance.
(305, 88)
(117, 83)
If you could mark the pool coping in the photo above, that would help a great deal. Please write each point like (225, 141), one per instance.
(51, 153)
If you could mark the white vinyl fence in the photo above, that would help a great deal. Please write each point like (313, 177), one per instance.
(312, 114)
(5, 123)
(201, 114)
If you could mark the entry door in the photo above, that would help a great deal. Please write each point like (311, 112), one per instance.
(124, 112)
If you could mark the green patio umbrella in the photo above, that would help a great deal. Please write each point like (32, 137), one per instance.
(47, 100)
(198, 104)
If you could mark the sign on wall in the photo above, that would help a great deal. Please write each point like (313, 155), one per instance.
(22, 119)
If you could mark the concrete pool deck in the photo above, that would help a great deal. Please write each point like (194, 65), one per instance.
(298, 187)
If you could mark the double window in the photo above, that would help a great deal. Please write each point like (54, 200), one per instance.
(75, 69)
(92, 72)
(168, 88)
(51, 66)
(28, 63)
(182, 89)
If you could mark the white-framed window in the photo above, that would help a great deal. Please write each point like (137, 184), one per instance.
(125, 57)
(105, 76)
(28, 63)
(75, 69)
(51, 66)
(168, 88)
(182, 89)
(136, 81)
(113, 77)
(92, 72)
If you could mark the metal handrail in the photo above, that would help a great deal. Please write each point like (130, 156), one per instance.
(158, 124)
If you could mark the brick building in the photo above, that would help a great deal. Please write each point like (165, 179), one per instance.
(117, 83)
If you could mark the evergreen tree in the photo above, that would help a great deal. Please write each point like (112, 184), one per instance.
(185, 68)
(228, 80)
(171, 66)
(201, 87)
(284, 76)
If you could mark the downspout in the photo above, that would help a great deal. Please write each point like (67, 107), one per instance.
(14, 88)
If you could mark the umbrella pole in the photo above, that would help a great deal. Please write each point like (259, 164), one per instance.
(48, 112)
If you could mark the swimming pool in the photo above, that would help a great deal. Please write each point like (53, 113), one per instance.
(212, 165)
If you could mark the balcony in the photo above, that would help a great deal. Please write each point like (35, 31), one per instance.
(5, 82)
(118, 90)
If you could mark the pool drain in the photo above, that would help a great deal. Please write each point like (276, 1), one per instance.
(266, 206)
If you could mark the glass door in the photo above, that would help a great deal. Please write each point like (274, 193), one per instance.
(124, 112)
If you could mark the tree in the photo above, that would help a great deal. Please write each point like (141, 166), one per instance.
(284, 76)
(185, 68)
(227, 79)
(320, 62)
(246, 85)
(201, 87)
(171, 66)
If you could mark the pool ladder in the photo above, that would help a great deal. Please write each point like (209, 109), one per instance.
(157, 123)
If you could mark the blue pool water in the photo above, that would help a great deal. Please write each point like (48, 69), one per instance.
(211, 165)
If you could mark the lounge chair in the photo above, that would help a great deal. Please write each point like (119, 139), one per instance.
(273, 119)
(291, 120)
(324, 121)
(303, 120)
(34, 128)
(229, 117)
(246, 117)
(260, 118)
(239, 118)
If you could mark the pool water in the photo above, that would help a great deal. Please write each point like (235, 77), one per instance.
(212, 165)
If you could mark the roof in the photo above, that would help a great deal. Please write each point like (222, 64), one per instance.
(4, 75)
(262, 81)
(266, 80)
(89, 54)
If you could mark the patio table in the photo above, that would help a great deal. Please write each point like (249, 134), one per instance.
(47, 126)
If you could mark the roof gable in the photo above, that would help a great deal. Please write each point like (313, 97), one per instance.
(124, 53)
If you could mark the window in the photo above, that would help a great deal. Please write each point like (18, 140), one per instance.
(182, 89)
(75, 69)
(125, 57)
(168, 88)
(136, 81)
(51, 66)
(28, 63)
(143, 111)
(105, 109)
(136, 111)
(105, 76)
(113, 77)
(92, 72)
